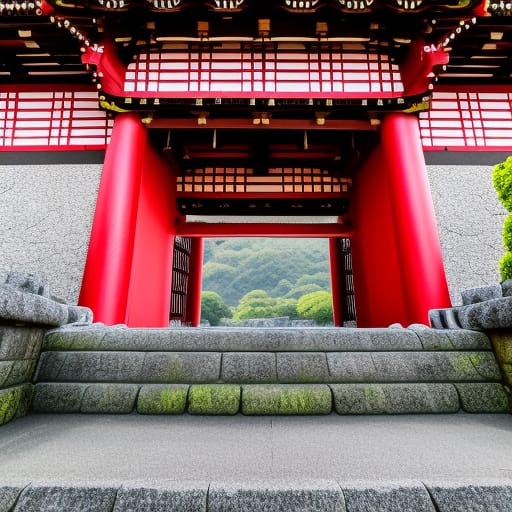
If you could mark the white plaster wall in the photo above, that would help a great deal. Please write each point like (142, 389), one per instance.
(470, 220)
(45, 221)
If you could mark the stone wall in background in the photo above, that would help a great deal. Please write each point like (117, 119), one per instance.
(46, 213)
(470, 220)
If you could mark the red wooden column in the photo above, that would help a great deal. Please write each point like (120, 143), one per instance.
(194, 284)
(337, 281)
(378, 287)
(107, 270)
(419, 251)
(149, 298)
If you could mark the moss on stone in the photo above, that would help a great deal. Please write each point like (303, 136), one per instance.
(214, 399)
(175, 370)
(9, 401)
(286, 399)
(162, 399)
(502, 343)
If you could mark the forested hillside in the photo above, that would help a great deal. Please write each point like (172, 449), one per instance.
(283, 267)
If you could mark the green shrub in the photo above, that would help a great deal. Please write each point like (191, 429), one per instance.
(502, 179)
(506, 266)
(507, 233)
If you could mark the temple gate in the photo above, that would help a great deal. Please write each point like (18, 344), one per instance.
(287, 109)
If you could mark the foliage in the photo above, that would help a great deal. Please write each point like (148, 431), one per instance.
(213, 308)
(259, 304)
(316, 306)
(298, 291)
(506, 266)
(235, 266)
(502, 179)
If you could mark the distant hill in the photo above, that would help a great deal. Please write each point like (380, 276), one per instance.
(283, 267)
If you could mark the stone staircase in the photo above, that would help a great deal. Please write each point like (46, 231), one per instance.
(97, 369)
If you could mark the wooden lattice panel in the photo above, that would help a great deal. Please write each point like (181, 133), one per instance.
(57, 120)
(477, 121)
(282, 74)
(180, 272)
(279, 180)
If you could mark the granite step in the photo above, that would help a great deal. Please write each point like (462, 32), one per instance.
(267, 371)
(97, 337)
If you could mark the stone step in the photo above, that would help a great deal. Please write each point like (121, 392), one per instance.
(250, 496)
(267, 367)
(97, 337)
(271, 399)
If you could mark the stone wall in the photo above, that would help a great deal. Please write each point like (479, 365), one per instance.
(470, 220)
(46, 213)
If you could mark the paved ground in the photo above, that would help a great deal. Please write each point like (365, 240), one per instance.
(108, 448)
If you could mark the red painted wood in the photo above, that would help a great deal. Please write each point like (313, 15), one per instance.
(337, 282)
(417, 240)
(107, 270)
(150, 279)
(194, 285)
(375, 260)
(211, 230)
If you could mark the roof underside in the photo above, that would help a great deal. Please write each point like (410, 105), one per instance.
(35, 49)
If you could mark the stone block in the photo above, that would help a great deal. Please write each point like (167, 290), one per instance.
(13, 402)
(5, 370)
(26, 282)
(214, 399)
(21, 371)
(323, 495)
(109, 398)
(79, 314)
(302, 367)
(27, 390)
(506, 288)
(483, 397)
(90, 366)
(502, 343)
(351, 367)
(58, 397)
(162, 399)
(177, 496)
(46, 498)
(475, 295)
(451, 339)
(20, 342)
(394, 398)
(78, 337)
(471, 496)
(181, 367)
(242, 367)
(492, 314)
(8, 496)
(386, 497)
(262, 399)
(17, 306)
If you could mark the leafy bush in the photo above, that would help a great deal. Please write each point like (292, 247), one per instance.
(213, 308)
(316, 306)
(502, 179)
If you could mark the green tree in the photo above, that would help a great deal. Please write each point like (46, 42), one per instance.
(316, 306)
(298, 291)
(502, 180)
(213, 308)
(254, 304)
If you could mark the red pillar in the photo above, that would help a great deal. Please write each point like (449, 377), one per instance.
(375, 261)
(149, 298)
(421, 263)
(337, 281)
(194, 284)
(108, 265)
